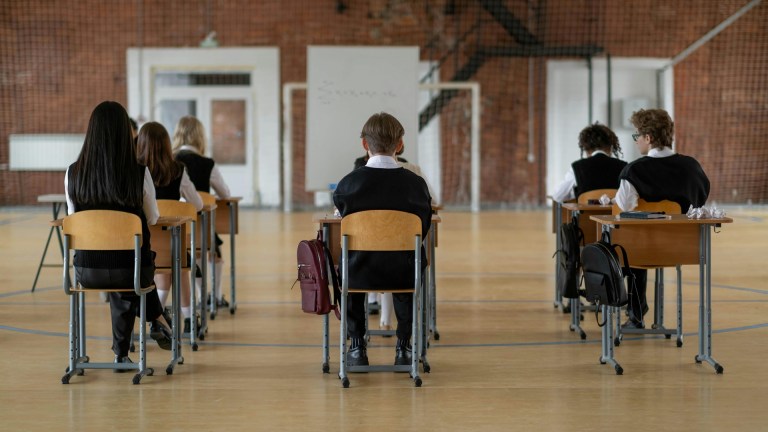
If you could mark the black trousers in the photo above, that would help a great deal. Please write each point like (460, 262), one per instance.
(403, 305)
(123, 306)
(638, 302)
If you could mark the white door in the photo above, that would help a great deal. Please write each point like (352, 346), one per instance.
(226, 114)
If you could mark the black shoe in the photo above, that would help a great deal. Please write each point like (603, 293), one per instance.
(187, 325)
(373, 308)
(222, 303)
(123, 359)
(632, 324)
(403, 353)
(161, 335)
(357, 355)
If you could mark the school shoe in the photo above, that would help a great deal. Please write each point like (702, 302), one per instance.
(161, 334)
(403, 353)
(632, 324)
(373, 308)
(357, 355)
(122, 359)
(188, 325)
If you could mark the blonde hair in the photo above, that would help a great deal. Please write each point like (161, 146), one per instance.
(189, 131)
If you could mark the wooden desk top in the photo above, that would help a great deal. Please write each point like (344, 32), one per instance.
(229, 200)
(208, 207)
(615, 220)
(326, 218)
(574, 206)
(52, 198)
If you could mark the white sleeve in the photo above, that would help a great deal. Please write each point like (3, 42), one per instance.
(189, 193)
(218, 184)
(150, 203)
(70, 204)
(564, 191)
(626, 196)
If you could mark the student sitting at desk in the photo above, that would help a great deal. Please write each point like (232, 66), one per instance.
(171, 183)
(107, 176)
(660, 175)
(598, 170)
(189, 148)
(382, 184)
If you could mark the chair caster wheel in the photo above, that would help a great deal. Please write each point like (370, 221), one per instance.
(136, 379)
(194, 347)
(679, 343)
(427, 368)
(696, 359)
(65, 379)
(583, 336)
(601, 361)
(417, 382)
(718, 369)
(437, 336)
(231, 311)
(668, 336)
(326, 368)
(169, 370)
(345, 382)
(213, 316)
(616, 341)
(201, 336)
(619, 370)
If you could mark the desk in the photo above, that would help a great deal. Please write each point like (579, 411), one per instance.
(229, 224)
(176, 225)
(668, 242)
(57, 201)
(591, 235)
(331, 228)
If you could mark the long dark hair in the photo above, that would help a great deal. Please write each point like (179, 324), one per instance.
(106, 171)
(154, 150)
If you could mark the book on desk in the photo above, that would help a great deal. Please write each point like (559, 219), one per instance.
(642, 215)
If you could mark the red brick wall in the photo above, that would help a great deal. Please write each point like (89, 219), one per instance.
(59, 59)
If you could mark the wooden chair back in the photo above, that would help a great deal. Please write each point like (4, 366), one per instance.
(595, 194)
(381, 230)
(667, 206)
(102, 230)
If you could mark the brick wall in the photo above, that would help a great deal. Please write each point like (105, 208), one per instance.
(59, 59)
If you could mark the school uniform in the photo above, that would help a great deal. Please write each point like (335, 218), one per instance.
(383, 185)
(114, 269)
(599, 171)
(662, 175)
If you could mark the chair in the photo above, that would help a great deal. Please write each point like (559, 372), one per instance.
(101, 230)
(595, 194)
(381, 230)
(668, 207)
(161, 244)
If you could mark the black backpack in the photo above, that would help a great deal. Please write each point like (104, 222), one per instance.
(571, 240)
(604, 275)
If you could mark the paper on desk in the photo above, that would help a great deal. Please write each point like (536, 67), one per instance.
(711, 212)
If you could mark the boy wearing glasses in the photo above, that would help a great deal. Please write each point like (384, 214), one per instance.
(660, 174)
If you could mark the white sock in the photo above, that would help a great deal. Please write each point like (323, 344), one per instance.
(163, 294)
(186, 311)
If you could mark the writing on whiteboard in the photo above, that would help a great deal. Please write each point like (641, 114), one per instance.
(328, 92)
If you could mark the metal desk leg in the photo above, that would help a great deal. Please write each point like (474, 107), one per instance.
(204, 285)
(432, 294)
(607, 340)
(326, 333)
(576, 318)
(176, 357)
(212, 254)
(233, 299)
(193, 288)
(56, 210)
(558, 302)
(705, 300)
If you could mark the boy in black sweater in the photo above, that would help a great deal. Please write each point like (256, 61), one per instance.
(382, 184)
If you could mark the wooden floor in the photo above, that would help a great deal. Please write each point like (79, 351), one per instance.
(505, 359)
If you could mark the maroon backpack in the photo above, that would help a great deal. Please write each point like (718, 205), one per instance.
(314, 260)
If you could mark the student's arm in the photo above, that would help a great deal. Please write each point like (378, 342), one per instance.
(626, 196)
(218, 184)
(564, 191)
(70, 204)
(150, 203)
(189, 193)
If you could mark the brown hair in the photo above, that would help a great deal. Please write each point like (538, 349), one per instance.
(383, 132)
(599, 137)
(154, 149)
(657, 123)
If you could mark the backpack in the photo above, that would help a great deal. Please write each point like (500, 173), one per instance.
(604, 275)
(314, 260)
(571, 240)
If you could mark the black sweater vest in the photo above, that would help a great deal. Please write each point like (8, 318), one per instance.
(171, 191)
(198, 168)
(677, 178)
(113, 259)
(597, 172)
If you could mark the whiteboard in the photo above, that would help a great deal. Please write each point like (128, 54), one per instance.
(345, 86)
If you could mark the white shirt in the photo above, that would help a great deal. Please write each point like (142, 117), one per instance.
(189, 193)
(382, 161)
(149, 204)
(565, 190)
(217, 180)
(626, 196)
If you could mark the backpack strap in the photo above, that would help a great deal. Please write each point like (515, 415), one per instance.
(334, 276)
